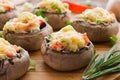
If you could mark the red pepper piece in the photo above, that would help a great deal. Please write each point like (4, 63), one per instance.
(76, 8)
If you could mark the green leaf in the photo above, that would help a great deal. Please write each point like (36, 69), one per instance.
(113, 39)
(68, 23)
(40, 12)
(32, 65)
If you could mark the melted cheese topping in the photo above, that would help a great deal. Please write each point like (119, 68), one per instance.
(25, 22)
(6, 47)
(55, 6)
(5, 5)
(96, 14)
(69, 38)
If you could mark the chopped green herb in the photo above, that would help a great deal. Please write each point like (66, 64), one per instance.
(62, 40)
(113, 39)
(68, 23)
(46, 18)
(59, 10)
(40, 12)
(32, 65)
(2, 9)
(103, 64)
(54, 5)
(27, 5)
(88, 2)
(2, 35)
(99, 21)
(3, 56)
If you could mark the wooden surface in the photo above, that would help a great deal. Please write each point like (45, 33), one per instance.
(44, 72)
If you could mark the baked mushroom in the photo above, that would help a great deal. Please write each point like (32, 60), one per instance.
(14, 61)
(113, 6)
(27, 31)
(67, 49)
(7, 12)
(54, 11)
(98, 23)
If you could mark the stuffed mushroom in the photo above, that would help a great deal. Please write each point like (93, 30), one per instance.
(98, 23)
(7, 12)
(27, 31)
(54, 11)
(113, 6)
(67, 49)
(14, 61)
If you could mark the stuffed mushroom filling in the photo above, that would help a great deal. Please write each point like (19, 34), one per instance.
(6, 5)
(52, 6)
(25, 23)
(97, 16)
(8, 52)
(67, 39)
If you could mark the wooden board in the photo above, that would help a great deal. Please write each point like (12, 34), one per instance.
(44, 72)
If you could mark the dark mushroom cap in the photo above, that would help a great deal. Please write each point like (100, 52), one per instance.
(65, 60)
(57, 20)
(13, 68)
(96, 32)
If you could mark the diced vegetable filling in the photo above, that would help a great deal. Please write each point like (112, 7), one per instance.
(5, 5)
(26, 22)
(68, 39)
(54, 6)
(7, 50)
(97, 15)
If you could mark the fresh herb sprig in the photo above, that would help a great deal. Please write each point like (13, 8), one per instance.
(103, 64)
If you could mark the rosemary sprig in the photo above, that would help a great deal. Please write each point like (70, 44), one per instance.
(103, 64)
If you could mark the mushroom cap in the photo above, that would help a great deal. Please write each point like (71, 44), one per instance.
(29, 41)
(6, 16)
(16, 69)
(67, 61)
(97, 32)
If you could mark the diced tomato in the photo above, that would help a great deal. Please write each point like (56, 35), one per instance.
(86, 38)
(76, 8)
(28, 26)
(111, 12)
(9, 54)
(8, 8)
(57, 46)
(41, 22)
(16, 48)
